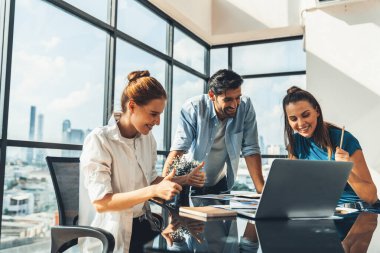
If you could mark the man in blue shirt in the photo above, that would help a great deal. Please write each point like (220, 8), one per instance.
(215, 128)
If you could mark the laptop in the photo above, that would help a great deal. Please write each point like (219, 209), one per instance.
(301, 189)
(298, 236)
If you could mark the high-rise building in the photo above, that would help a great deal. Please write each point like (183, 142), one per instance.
(66, 127)
(32, 122)
(32, 125)
(72, 136)
(40, 156)
(40, 127)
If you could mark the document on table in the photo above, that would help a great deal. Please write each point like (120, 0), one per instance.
(244, 204)
(236, 196)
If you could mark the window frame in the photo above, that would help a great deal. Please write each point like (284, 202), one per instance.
(110, 28)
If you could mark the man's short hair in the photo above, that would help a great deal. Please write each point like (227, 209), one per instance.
(223, 80)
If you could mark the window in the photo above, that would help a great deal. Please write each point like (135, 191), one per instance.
(29, 204)
(185, 86)
(266, 95)
(64, 68)
(268, 69)
(219, 60)
(96, 8)
(140, 23)
(263, 58)
(57, 87)
(2, 57)
(128, 59)
(189, 52)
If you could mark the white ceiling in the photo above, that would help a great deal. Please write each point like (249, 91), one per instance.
(231, 21)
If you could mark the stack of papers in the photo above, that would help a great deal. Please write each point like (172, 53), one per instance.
(206, 211)
(244, 204)
(237, 196)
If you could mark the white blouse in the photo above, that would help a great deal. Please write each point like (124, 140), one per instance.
(111, 163)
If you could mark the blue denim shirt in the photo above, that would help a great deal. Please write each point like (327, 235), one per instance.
(197, 128)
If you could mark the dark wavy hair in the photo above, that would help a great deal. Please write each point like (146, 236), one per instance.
(321, 134)
(224, 80)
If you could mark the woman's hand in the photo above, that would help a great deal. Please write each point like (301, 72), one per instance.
(196, 177)
(341, 155)
(167, 189)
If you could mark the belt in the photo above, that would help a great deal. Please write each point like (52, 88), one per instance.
(362, 206)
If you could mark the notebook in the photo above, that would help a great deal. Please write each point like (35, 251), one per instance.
(301, 189)
(206, 211)
(298, 236)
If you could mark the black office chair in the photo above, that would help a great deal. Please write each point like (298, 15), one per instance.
(64, 172)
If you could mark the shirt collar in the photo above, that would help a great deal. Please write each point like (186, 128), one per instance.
(213, 112)
(113, 130)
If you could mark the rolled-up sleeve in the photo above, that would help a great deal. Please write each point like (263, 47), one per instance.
(250, 143)
(95, 164)
(186, 128)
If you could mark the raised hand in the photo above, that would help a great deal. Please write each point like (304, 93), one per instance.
(167, 189)
(341, 155)
(196, 177)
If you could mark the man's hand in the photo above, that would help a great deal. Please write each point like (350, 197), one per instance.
(196, 177)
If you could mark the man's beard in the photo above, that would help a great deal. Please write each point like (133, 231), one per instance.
(229, 114)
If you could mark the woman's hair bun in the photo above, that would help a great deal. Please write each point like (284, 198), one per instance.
(133, 76)
(293, 89)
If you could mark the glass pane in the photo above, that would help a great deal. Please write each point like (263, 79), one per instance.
(96, 8)
(160, 164)
(57, 88)
(129, 58)
(29, 204)
(189, 52)
(218, 59)
(142, 24)
(185, 86)
(243, 179)
(266, 95)
(2, 14)
(269, 58)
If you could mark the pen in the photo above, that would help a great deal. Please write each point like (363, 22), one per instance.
(341, 138)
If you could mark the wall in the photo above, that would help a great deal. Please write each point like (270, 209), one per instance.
(230, 21)
(343, 70)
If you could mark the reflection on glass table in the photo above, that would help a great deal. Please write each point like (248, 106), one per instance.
(298, 236)
(220, 234)
(355, 232)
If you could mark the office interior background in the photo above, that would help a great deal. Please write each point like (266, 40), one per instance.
(64, 65)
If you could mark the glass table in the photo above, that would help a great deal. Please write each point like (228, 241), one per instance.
(355, 232)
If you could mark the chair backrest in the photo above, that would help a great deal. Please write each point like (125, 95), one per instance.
(64, 172)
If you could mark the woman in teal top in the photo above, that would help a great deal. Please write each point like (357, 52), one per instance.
(309, 137)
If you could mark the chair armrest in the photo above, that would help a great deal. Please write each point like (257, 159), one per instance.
(64, 237)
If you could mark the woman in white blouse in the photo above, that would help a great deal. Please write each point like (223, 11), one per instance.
(118, 171)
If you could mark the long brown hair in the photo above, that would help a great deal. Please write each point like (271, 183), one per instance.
(321, 133)
(141, 88)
